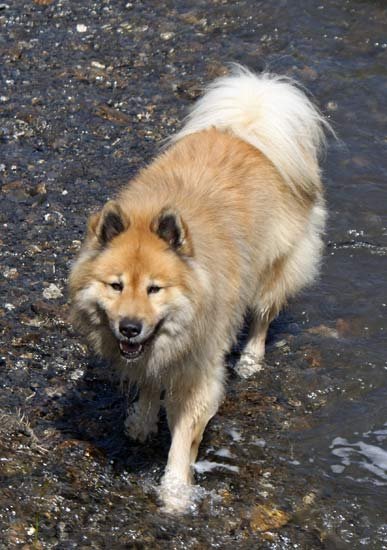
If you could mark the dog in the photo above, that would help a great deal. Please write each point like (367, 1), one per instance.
(228, 219)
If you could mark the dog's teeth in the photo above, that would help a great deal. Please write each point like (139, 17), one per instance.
(130, 350)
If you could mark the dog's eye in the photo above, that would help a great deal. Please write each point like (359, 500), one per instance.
(153, 289)
(117, 286)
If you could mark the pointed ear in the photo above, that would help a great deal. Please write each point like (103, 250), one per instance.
(169, 226)
(108, 223)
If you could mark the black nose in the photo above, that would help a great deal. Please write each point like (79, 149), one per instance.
(130, 327)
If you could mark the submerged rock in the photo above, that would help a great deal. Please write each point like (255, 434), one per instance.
(265, 518)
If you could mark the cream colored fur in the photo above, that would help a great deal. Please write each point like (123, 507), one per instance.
(244, 177)
(271, 113)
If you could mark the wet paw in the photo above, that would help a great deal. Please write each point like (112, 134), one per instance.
(248, 364)
(139, 427)
(175, 495)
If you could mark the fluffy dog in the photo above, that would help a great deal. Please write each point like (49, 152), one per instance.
(227, 219)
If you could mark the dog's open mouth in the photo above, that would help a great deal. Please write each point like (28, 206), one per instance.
(131, 350)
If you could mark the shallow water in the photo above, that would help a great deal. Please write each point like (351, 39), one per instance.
(88, 91)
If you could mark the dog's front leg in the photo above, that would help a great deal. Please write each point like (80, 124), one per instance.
(189, 408)
(142, 417)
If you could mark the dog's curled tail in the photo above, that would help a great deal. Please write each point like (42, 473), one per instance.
(273, 114)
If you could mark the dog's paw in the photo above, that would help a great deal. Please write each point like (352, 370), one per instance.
(175, 495)
(248, 364)
(138, 426)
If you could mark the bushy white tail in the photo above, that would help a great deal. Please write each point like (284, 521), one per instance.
(271, 113)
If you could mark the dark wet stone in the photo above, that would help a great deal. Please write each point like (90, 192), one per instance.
(189, 90)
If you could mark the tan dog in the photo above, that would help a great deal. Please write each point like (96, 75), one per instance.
(228, 219)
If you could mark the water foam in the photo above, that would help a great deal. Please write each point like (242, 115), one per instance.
(369, 457)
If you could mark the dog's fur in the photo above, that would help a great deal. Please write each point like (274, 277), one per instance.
(228, 219)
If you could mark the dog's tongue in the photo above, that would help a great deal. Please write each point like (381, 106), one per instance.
(128, 347)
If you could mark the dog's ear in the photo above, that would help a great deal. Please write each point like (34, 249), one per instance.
(170, 227)
(108, 223)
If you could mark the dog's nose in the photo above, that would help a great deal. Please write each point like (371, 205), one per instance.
(130, 327)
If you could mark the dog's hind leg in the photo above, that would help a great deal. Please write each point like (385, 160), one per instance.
(189, 408)
(142, 417)
(251, 358)
(271, 296)
(285, 277)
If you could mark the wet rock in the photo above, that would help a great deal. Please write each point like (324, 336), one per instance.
(55, 218)
(33, 249)
(113, 115)
(39, 189)
(56, 390)
(48, 309)
(216, 69)
(343, 327)
(52, 292)
(167, 35)
(10, 273)
(309, 499)
(17, 534)
(350, 327)
(323, 330)
(307, 73)
(188, 90)
(332, 106)
(16, 189)
(313, 357)
(265, 518)
(25, 340)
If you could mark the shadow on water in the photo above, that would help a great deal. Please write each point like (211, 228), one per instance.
(94, 412)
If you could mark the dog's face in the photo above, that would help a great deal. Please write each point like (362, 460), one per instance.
(137, 280)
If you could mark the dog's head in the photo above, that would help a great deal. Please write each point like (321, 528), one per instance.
(134, 277)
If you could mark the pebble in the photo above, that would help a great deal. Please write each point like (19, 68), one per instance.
(332, 106)
(77, 374)
(52, 292)
(309, 499)
(98, 65)
(10, 273)
(81, 28)
(167, 35)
